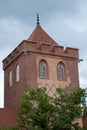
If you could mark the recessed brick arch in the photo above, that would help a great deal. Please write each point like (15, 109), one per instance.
(45, 68)
(61, 70)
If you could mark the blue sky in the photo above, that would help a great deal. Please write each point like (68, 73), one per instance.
(64, 20)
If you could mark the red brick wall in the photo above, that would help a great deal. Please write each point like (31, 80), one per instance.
(8, 117)
(85, 120)
(28, 73)
(71, 79)
(31, 71)
(11, 94)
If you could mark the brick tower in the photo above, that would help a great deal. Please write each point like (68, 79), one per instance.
(39, 61)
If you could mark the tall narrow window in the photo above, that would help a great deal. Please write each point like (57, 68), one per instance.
(10, 78)
(60, 72)
(43, 69)
(17, 73)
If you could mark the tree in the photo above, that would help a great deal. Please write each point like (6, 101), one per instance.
(39, 111)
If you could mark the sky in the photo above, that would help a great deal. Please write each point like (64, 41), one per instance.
(64, 20)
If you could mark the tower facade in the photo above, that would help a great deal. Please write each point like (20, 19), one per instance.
(36, 62)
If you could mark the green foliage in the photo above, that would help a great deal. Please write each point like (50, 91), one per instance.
(10, 128)
(84, 128)
(39, 111)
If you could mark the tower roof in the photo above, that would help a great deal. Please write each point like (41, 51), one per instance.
(39, 35)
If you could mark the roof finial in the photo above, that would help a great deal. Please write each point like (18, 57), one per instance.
(37, 19)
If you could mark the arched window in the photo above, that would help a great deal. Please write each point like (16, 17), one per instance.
(10, 78)
(43, 69)
(61, 71)
(17, 73)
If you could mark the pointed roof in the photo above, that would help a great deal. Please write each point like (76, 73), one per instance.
(39, 35)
